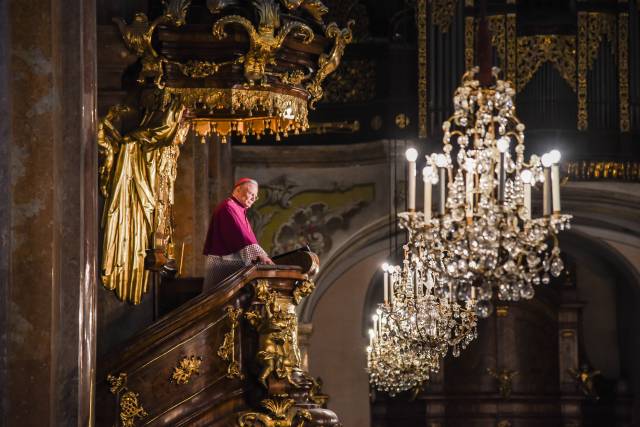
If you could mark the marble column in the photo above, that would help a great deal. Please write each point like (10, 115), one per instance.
(49, 215)
(192, 208)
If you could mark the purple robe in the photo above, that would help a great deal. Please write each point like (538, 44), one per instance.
(229, 229)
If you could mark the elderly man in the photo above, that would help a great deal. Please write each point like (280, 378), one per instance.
(230, 243)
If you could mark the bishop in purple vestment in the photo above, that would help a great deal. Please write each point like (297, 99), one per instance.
(231, 243)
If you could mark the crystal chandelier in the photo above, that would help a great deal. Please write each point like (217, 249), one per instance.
(482, 236)
(414, 327)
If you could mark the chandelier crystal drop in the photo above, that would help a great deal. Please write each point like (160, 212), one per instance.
(483, 237)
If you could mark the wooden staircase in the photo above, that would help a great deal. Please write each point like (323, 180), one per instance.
(228, 357)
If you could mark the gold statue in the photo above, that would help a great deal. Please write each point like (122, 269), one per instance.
(584, 380)
(505, 379)
(138, 189)
(277, 326)
(327, 64)
(264, 43)
(137, 37)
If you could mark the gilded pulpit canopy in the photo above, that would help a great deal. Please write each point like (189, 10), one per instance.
(255, 70)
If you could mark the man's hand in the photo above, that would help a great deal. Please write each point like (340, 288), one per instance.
(265, 260)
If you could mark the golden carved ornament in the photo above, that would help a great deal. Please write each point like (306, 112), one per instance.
(117, 383)
(583, 24)
(533, 51)
(259, 111)
(302, 290)
(138, 188)
(227, 350)
(592, 27)
(623, 71)
(130, 406)
(597, 170)
(295, 77)
(497, 30)
(200, 69)
(315, 8)
(334, 127)
(468, 42)
(275, 320)
(137, 37)
(187, 367)
(354, 81)
(600, 25)
(422, 65)
(402, 121)
(511, 47)
(264, 42)
(327, 63)
(442, 13)
(130, 409)
(279, 412)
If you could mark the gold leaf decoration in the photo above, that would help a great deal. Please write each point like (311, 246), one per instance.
(187, 367)
(227, 350)
(533, 51)
(130, 409)
(302, 290)
(442, 13)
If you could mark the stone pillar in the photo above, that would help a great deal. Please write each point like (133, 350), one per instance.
(192, 209)
(49, 213)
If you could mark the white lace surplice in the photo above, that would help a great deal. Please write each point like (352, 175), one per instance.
(219, 268)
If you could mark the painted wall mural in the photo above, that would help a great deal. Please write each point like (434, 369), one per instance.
(289, 215)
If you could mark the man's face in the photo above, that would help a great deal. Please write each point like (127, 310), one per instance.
(246, 194)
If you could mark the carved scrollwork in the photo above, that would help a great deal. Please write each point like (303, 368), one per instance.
(117, 383)
(468, 42)
(279, 412)
(354, 81)
(303, 289)
(130, 406)
(533, 51)
(227, 350)
(442, 13)
(327, 63)
(137, 37)
(315, 8)
(264, 42)
(497, 29)
(187, 367)
(592, 27)
(623, 71)
(277, 325)
(131, 409)
(422, 66)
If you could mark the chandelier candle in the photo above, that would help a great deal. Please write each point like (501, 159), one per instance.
(412, 155)
(555, 180)
(427, 178)
(526, 176)
(546, 189)
(385, 266)
(441, 163)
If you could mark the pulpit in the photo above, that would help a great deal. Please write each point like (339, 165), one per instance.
(228, 357)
